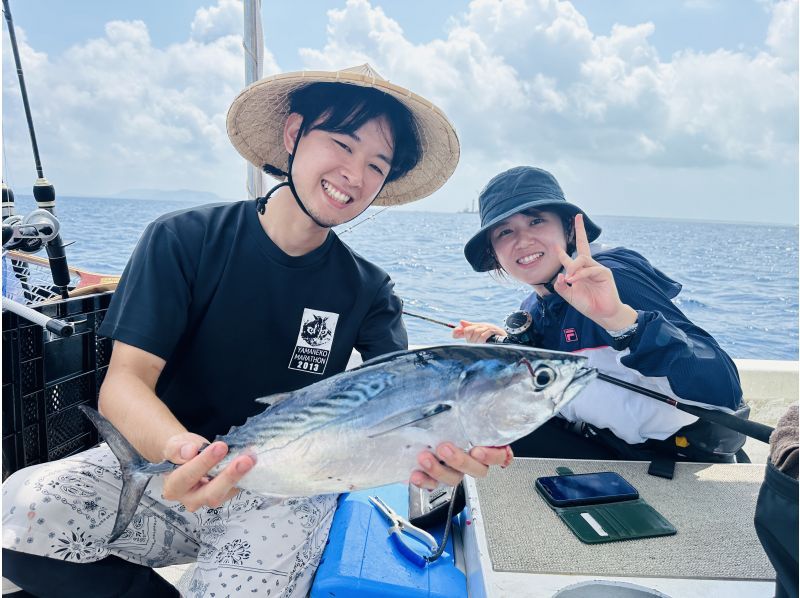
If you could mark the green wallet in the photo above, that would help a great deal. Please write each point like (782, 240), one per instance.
(610, 522)
(613, 521)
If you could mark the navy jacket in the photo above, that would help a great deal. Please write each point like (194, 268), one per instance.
(668, 353)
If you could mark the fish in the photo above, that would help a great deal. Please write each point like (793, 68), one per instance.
(366, 426)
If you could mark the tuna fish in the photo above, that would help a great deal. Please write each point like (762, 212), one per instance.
(365, 427)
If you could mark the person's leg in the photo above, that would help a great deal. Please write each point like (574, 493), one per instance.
(112, 576)
(251, 547)
(64, 511)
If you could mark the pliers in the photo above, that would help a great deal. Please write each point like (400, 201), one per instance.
(402, 526)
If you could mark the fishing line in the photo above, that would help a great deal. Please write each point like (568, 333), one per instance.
(443, 543)
(364, 220)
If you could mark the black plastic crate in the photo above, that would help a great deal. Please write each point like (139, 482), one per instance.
(46, 378)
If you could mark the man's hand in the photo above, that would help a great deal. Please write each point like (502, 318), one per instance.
(190, 483)
(477, 332)
(452, 463)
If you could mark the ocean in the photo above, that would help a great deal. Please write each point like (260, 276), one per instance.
(740, 281)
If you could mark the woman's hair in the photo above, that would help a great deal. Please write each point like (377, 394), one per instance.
(341, 108)
(567, 222)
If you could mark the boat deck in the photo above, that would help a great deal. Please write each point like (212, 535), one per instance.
(515, 540)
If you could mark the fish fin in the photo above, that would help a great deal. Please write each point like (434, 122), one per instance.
(273, 399)
(407, 418)
(134, 482)
(268, 500)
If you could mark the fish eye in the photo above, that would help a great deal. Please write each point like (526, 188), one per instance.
(543, 376)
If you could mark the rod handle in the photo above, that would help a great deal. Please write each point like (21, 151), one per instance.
(744, 426)
(747, 427)
(59, 327)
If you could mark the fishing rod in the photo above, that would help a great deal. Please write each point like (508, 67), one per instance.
(427, 319)
(43, 191)
(59, 327)
(515, 325)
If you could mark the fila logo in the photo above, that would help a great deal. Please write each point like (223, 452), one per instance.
(570, 335)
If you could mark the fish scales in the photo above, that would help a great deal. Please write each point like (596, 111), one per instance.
(367, 426)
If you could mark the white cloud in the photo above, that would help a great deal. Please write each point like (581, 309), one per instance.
(728, 107)
(126, 114)
(782, 33)
(226, 18)
(524, 81)
(529, 78)
(527, 81)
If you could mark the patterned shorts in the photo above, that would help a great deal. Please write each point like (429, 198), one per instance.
(248, 546)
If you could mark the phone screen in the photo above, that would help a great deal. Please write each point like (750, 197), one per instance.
(586, 488)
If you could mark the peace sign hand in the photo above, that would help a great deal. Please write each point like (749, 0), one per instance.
(589, 287)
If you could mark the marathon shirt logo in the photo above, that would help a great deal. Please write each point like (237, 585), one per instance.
(314, 341)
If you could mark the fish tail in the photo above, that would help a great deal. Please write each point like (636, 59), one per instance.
(134, 481)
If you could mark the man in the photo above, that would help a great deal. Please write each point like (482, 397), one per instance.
(218, 306)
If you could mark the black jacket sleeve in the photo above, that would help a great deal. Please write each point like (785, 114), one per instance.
(668, 344)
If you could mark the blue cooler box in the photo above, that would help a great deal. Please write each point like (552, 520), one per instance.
(361, 560)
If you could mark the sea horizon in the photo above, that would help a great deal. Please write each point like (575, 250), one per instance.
(408, 209)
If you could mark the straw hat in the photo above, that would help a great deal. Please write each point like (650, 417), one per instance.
(257, 117)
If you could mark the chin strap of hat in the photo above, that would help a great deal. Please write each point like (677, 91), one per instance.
(549, 285)
(261, 202)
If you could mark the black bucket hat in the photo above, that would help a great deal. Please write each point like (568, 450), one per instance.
(513, 191)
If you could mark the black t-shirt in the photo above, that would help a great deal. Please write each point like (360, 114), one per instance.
(236, 318)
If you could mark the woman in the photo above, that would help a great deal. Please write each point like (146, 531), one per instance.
(616, 308)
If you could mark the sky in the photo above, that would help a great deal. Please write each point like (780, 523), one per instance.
(663, 108)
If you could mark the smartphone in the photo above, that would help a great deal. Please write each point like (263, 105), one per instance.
(585, 489)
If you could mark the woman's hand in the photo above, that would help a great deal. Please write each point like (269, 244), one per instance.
(449, 465)
(589, 287)
(477, 332)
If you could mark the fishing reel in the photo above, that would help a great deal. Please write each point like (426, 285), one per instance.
(30, 233)
(518, 327)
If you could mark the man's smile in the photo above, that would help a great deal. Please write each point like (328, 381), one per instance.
(335, 194)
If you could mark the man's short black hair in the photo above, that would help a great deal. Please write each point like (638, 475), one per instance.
(341, 108)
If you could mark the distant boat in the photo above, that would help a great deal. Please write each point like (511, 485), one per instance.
(470, 209)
